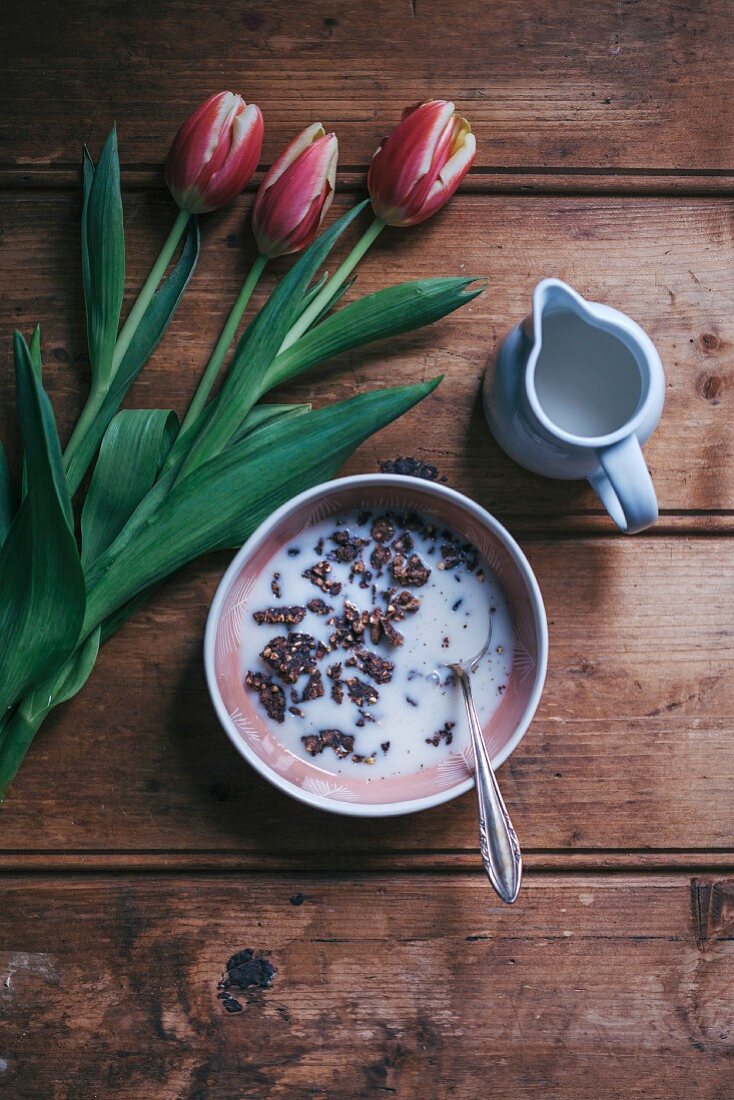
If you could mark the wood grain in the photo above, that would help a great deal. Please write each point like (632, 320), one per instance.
(563, 85)
(608, 985)
(667, 262)
(631, 747)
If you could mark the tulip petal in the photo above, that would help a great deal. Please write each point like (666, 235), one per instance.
(421, 163)
(289, 210)
(214, 153)
(292, 151)
(236, 168)
(449, 179)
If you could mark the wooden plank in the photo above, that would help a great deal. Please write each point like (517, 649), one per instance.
(632, 747)
(667, 262)
(590, 985)
(569, 85)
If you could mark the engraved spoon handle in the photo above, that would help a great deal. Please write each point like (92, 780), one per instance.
(497, 839)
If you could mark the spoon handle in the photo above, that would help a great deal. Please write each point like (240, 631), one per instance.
(498, 841)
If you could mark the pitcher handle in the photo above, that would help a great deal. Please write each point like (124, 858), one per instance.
(624, 485)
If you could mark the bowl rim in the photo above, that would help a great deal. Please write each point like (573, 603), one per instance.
(399, 482)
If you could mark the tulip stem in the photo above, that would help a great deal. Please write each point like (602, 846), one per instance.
(149, 288)
(332, 287)
(226, 336)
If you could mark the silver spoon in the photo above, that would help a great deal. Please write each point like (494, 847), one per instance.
(498, 842)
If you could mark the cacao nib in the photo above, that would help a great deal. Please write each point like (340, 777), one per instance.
(444, 734)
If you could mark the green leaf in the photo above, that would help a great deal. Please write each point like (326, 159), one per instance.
(35, 352)
(22, 725)
(259, 345)
(233, 492)
(41, 581)
(87, 178)
(132, 453)
(7, 496)
(262, 415)
(387, 312)
(155, 321)
(105, 248)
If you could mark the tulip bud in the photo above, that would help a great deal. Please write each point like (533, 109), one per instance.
(421, 163)
(296, 193)
(215, 153)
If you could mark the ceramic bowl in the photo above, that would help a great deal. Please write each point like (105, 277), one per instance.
(229, 616)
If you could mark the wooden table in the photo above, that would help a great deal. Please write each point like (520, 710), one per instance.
(138, 851)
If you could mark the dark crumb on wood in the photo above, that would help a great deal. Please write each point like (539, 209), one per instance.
(318, 606)
(341, 743)
(444, 734)
(292, 656)
(271, 696)
(230, 1003)
(297, 899)
(248, 970)
(275, 586)
(412, 467)
(289, 615)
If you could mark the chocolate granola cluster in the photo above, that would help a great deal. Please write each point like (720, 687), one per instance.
(384, 563)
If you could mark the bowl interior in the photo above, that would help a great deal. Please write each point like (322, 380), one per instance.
(307, 780)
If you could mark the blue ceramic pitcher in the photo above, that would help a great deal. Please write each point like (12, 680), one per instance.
(573, 392)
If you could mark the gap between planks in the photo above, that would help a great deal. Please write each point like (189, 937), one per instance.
(645, 182)
(448, 861)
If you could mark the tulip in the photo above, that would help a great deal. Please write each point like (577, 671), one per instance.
(296, 193)
(422, 162)
(290, 205)
(412, 174)
(215, 153)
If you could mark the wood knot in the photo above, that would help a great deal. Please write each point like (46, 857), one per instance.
(712, 386)
(709, 343)
(712, 906)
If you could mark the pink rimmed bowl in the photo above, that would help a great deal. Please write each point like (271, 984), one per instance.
(230, 614)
